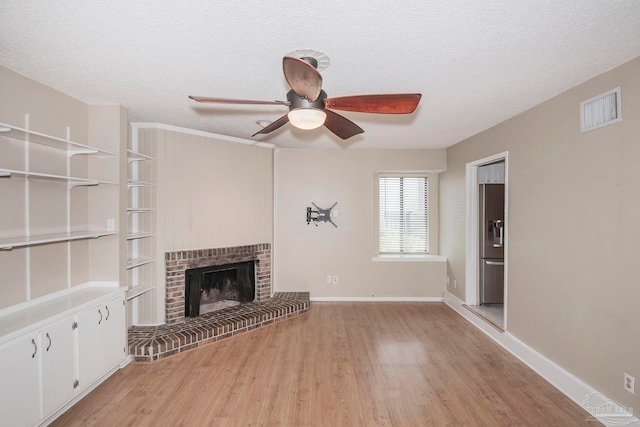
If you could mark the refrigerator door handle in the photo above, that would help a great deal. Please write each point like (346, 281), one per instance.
(495, 262)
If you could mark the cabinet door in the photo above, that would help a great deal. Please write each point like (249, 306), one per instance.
(57, 365)
(101, 340)
(114, 333)
(90, 360)
(20, 394)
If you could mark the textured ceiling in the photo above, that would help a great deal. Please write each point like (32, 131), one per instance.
(476, 63)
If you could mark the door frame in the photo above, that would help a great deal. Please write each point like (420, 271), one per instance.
(472, 249)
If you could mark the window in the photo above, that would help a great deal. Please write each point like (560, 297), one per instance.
(404, 219)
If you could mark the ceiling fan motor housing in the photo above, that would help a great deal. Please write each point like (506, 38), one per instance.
(299, 102)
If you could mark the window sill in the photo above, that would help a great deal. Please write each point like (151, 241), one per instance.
(404, 258)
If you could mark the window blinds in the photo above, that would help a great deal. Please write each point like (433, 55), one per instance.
(403, 222)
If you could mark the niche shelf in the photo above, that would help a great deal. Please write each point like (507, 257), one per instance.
(141, 217)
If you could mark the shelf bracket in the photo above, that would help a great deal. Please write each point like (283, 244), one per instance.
(72, 153)
(71, 185)
(136, 184)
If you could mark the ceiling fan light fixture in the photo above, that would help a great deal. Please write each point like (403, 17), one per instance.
(307, 118)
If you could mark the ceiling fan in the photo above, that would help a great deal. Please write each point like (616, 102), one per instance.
(309, 106)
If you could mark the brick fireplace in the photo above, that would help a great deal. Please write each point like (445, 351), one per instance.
(176, 264)
(179, 334)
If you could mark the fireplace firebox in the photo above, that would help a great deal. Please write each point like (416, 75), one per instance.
(178, 262)
(215, 287)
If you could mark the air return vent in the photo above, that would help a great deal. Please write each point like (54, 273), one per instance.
(601, 110)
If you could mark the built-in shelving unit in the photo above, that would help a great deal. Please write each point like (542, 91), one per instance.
(62, 248)
(59, 211)
(141, 228)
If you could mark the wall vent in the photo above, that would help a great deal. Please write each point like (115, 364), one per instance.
(601, 110)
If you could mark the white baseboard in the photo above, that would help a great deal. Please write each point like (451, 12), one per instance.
(570, 385)
(377, 299)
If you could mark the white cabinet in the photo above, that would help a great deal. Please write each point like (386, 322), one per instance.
(20, 392)
(37, 372)
(56, 349)
(101, 340)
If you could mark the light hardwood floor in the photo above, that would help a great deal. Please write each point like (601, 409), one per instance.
(342, 364)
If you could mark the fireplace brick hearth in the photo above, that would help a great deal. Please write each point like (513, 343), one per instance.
(176, 263)
(151, 343)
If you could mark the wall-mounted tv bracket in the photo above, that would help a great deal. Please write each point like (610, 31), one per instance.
(320, 214)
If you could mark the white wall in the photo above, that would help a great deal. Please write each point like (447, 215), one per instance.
(573, 231)
(211, 193)
(305, 254)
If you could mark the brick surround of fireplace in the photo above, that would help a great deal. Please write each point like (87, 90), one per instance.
(176, 263)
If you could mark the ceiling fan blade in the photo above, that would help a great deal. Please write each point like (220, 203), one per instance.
(304, 78)
(341, 126)
(397, 103)
(273, 126)
(235, 101)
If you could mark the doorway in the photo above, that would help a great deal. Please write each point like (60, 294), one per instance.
(493, 312)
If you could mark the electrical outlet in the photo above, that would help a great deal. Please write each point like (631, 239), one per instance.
(455, 284)
(111, 225)
(329, 279)
(335, 280)
(629, 383)
(447, 280)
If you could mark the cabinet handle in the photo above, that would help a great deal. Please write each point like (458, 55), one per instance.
(49, 338)
(108, 312)
(35, 348)
(100, 321)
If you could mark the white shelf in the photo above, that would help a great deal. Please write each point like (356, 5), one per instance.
(138, 262)
(73, 181)
(51, 141)
(8, 243)
(136, 291)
